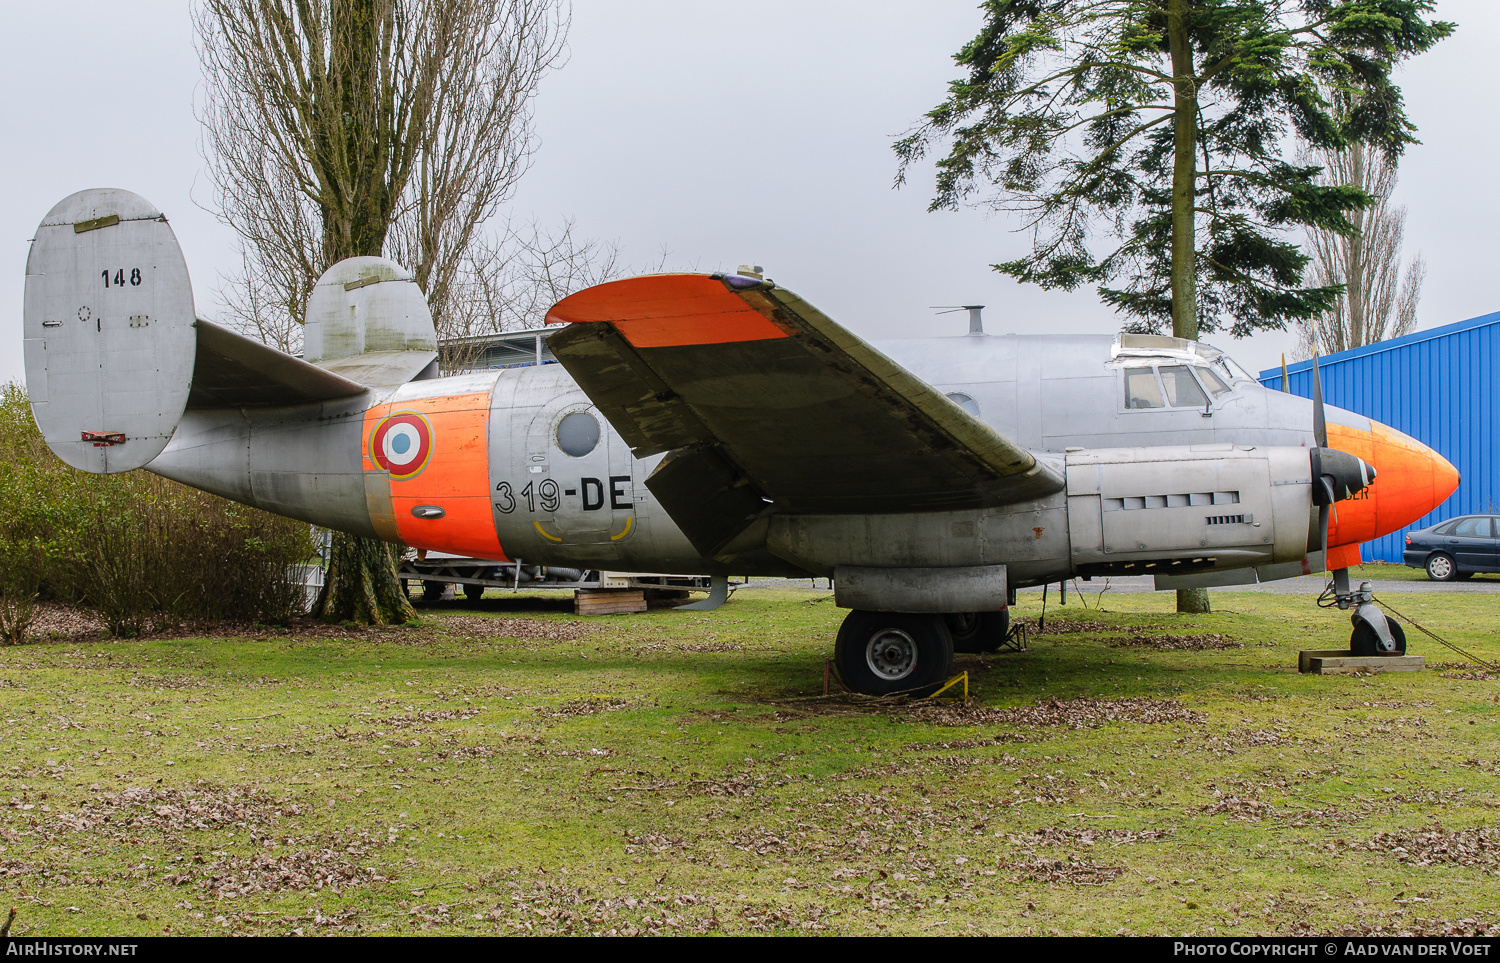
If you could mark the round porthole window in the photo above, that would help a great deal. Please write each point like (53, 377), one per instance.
(965, 402)
(578, 434)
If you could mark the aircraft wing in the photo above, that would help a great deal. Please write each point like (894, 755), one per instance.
(763, 399)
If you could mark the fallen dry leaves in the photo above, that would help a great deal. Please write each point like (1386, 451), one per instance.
(1082, 713)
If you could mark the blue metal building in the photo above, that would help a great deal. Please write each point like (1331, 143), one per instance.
(1437, 386)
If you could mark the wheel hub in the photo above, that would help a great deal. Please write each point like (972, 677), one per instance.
(891, 654)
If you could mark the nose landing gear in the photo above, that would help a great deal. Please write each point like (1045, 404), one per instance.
(1374, 634)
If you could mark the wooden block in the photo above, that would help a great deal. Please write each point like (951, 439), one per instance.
(1344, 662)
(608, 601)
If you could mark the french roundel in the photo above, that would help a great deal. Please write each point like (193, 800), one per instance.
(402, 444)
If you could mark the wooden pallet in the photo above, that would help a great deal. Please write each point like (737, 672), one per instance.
(608, 601)
(1344, 662)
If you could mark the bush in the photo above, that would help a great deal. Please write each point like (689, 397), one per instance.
(144, 552)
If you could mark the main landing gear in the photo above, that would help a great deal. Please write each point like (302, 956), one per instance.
(979, 631)
(1374, 634)
(882, 653)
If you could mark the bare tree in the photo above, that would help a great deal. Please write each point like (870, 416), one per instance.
(509, 283)
(1377, 303)
(339, 128)
(336, 128)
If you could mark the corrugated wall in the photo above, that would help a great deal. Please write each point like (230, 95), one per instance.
(1437, 386)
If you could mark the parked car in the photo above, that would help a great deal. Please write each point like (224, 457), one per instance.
(1456, 548)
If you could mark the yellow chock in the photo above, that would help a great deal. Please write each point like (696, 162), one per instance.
(961, 677)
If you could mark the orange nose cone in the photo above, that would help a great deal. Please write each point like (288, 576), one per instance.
(1411, 480)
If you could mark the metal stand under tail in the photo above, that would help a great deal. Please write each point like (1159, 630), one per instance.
(718, 592)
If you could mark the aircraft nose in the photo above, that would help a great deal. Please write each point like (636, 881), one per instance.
(1411, 480)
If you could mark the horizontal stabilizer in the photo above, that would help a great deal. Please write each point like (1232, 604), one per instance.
(384, 369)
(233, 371)
(115, 354)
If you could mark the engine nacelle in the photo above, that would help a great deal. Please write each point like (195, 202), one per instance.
(1188, 509)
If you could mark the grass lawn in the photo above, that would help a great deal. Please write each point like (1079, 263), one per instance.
(505, 767)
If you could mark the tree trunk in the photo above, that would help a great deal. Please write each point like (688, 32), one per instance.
(1184, 199)
(361, 584)
(1184, 175)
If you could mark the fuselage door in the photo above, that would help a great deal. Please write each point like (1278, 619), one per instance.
(584, 491)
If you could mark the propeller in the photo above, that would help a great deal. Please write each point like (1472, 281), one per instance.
(1336, 475)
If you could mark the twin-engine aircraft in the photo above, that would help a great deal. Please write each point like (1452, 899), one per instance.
(718, 424)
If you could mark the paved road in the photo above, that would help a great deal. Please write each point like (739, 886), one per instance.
(1306, 585)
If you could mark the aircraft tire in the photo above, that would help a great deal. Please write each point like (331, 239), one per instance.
(882, 653)
(1365, 641)
(473, 592)
(978, 631)
(432, 591)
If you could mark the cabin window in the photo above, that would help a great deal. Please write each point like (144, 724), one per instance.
(1182, 388)
(965, 402)
(578, 434)
(1141, 389)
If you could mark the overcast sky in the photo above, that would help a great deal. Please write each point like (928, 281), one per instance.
(721, 133)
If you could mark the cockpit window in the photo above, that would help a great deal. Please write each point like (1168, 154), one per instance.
(1182, 390)
(1235, 370)
(1141, 390)
(1212, 382)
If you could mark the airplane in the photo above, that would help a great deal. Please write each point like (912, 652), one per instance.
(717, 424)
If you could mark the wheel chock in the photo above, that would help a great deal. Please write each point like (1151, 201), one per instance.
(961, 677)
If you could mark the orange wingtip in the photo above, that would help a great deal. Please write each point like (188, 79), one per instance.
(667, 310)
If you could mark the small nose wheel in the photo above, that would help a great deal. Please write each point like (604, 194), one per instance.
(1367, 641)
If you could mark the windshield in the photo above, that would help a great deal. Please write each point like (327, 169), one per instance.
(1234, 369)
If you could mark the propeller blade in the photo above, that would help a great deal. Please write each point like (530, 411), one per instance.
(1286, 382)
(1320, 427)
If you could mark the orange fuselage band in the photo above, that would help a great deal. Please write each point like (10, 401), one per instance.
(454, 477)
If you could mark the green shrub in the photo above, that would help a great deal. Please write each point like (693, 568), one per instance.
(144, 552)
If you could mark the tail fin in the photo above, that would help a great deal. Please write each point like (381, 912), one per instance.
(368, 321)
(109, 338)
(113, 352)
